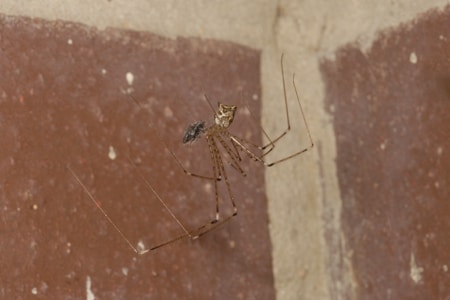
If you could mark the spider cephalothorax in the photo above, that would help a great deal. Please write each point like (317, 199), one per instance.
(225, 115)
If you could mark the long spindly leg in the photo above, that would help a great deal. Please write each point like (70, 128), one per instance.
(311, 143)
(91, 197)
(119, 231)
(221, 167)
(186, 171)
(193, 234)
(286, 107)
(189, 173)
(233, 153)
(246, 146)
(267, 148)
(218, 170)
(215, 158)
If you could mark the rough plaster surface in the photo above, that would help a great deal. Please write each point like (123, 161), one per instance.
(305, 31)
(245, 22)
(390, 107)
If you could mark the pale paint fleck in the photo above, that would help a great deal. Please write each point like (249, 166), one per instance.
(112, 153)
(168, 113)
(255, 97)
(89, 294)
(413, 58)
(439, 150)
(104, 71)
(127, 91)
(34, 291)
(43, 287)
(415, 271)
(33, 244)
(69, 41)
(246, 111)
(141, 246)
(445, 268)
(207, 187)
(130, 78)
(332, 108)
(125, 271)
(68, 245)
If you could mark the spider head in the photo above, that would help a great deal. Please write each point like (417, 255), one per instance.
(225, 115)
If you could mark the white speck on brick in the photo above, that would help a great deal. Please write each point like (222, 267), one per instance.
(413, 58)
(415, 271)
(89, 294)
(112, 153)
(130, 78)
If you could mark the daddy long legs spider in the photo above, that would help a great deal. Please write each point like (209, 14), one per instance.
(221, 144)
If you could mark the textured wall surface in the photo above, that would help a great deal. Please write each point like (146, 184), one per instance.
(373, 81)
(65, 101)
(391, 108)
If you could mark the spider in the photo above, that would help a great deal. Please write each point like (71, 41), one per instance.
(217, 137)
